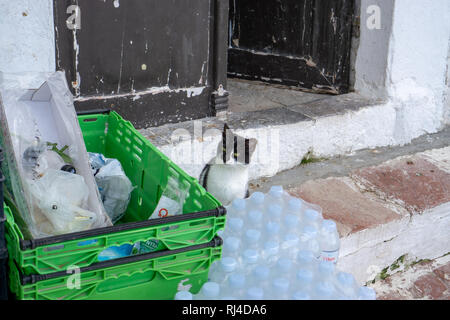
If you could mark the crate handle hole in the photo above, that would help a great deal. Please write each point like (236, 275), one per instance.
(90, 120)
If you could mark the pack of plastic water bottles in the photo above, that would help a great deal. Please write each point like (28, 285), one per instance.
(278, 247)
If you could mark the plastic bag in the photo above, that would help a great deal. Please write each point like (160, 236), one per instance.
(61, 196)
(114, 186)
(34, 124)
(172, 200)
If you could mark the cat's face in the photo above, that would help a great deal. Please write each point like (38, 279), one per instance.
(234, 148)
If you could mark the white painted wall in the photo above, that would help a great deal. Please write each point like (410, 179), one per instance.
(406, 61)
(27, 40)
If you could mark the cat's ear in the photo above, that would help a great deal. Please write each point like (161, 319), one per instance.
(225, 129)
(252, 145)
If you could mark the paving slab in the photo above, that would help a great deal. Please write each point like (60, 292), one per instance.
(342, 202)
(416, 182)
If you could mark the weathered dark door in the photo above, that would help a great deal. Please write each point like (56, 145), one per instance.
(153, 61)
(302, 43)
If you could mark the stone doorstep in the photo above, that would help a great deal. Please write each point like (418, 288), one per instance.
(424, 280)
(399, 207)
(299, 127)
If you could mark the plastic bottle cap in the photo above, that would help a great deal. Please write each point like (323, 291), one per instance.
(228, 264)
(311, 215)
(238, 204)
(280, 284)
(284, 265)
(252, 235)
(183, 295)
(291, 220)
(272, 228)
(326, 267)
(276, 191)
(366, 293)
(257, 198)
(236, 224)
(236, 280)
(250, 256)
(305, 276)
(271, 248)
(274, 211)
(255, 293)
(310, 232)
(291, 239)
(346, 279)
(305, 257)
(300, 295)
(255, 216)
(231, 244)
(295, 205)
(261, 272)
(329, 225)
(211, 289)
(324, 290)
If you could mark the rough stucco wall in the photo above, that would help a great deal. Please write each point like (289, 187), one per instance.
(447, 96)
(417, 66)
(27, 41)
(371, 60)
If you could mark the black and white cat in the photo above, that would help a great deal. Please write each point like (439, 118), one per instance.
(226, 175)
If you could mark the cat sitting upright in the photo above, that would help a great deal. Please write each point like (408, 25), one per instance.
(226, 175)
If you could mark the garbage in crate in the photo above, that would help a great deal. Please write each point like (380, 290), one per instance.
(114, 186)
(278, 247)
(46, 163)
(172, 199)
(171, 203)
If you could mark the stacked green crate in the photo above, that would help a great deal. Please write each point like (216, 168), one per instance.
(149, 170)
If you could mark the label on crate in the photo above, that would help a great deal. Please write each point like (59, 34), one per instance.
(147, 246)
(330, 256)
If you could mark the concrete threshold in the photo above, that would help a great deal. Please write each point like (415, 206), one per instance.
(323, 127)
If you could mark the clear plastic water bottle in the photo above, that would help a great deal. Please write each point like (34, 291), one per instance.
(227, 266)
(271, 251)
(272, 231)
(237, 208)
(326, 271)
(312, 218)
(183, 295)
(324, 290)
(307, 260)
(255, 293)
(294, 206)
(209, 291)
(366, 293)
(346, 285)
(280, 289)
(274, 213)
(275, 195)
(304, 279)
(235, 226)
(260, 276)
(301, 295)
(252, 237)
(291, 223)
(235, 285)
(231, 247)
(290, 245)
(309, 241)
(255, 219)
(284, 267)
(329, 241)
(250, 258)
(256, 201)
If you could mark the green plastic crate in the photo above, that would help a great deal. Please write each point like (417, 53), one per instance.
(148, 169)
(152, 276)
